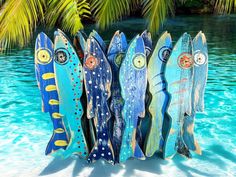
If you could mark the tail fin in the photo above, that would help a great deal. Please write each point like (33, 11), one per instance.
(102, 149)
(188, 135)
(138, 153)
(58, 141)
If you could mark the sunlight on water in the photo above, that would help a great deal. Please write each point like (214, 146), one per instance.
(25, 131)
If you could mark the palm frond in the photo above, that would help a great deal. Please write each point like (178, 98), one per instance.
(18, 18)
(225, 6)
(68, 12)
(108, 11)
(156, 11)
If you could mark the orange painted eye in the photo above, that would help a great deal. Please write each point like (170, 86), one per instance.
(91, 62)
(185, 61)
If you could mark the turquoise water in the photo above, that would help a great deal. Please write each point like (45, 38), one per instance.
(25, 131)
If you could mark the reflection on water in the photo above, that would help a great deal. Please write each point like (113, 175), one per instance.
(24, 130)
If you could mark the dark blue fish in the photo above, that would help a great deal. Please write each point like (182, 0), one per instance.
(98, 78)
(45, 76)
(115, 55)
(133, 81)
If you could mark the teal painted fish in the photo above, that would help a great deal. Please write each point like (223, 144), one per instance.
(69, 79)
(157, 87)
(133, 81)
(179, 77)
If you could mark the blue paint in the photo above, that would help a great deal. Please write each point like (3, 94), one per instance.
(69, 79)
(98, 78)
(43, 43)
(99, 39)
(115, 55)
(133, 81)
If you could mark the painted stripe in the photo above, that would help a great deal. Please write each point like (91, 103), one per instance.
(53, 102)
(50, 88)
(59, 130)
(56, 115)
(60, 143)
(47, 76)
(180, 91)
(180, 81)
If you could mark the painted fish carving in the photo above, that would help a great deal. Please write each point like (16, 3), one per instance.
(98, 78)
(157, 87)
(115, 55)
(147, 39)
(199, 83)
(69, 79)
(99, 39)
(179, 75)
(133, 81)
(46, 82)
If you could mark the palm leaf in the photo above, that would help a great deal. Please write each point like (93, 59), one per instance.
(156, 11)
(68, 14)
(18, 18)
(225, 6)
(108, 11)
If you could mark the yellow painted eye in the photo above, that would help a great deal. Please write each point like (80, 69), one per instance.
(139, 61)
(118, 59)
(44, 56)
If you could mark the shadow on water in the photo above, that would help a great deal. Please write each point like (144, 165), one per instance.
(221, 151)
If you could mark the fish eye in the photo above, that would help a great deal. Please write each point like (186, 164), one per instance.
(91, 62)
(118, 59)
(44, 56)
(61, 56)
(185, 61)
(164, 53)
(200, 58)
(139, 61)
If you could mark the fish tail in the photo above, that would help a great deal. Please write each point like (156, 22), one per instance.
(138, 153)
(58, 141)
(102, 149)
(188, 135)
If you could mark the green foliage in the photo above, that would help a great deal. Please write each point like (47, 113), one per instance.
(225, 6)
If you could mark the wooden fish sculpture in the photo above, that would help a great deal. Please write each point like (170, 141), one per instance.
(157, 87)
(69, 79)
(147, 39)
(199, 83)
(46, 82)
(98, 78)
(133, 81)
(179, 75)
(115, 55)
(99, 39)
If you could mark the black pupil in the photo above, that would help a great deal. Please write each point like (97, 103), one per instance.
(61, 57)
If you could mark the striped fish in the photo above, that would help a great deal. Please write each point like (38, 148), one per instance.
(133, 81)
(98, 78)
(115, 55)
(69, 79)
(45, 76)
(179, 77)
(157, 87)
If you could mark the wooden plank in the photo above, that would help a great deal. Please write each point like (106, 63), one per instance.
(98, 78)
(179, 74)
(115, 55)
(199, 84)
(157, 87)
(69, 79)
(133, 81)
(50, 103)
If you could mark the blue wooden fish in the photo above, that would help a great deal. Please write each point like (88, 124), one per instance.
(179, 74)
(98, 78)
(46, 82)
(115, 55)
(133, 81)
(99, 39)
(199, 82)
(69, 79)
(147, 39)
(157, 87)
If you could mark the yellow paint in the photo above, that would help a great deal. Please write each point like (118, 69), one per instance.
(190, 129)
(47, 76)
(172, 131)
(59, 130)
(60, 143)
(43, 56)
(53, 102)
(50, 88)
(56, 115)
(198, 149)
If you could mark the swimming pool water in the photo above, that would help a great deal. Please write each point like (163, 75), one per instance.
(25, 131)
